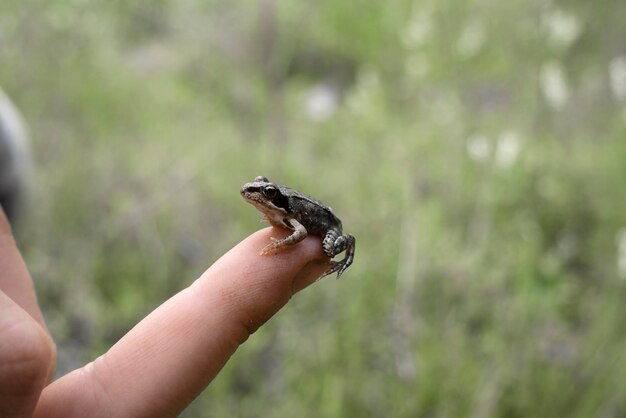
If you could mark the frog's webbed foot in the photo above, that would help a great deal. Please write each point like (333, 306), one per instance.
(278, 245)
(334, 245)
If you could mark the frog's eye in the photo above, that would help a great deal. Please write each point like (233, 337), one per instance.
(261, 179)
(270, 192)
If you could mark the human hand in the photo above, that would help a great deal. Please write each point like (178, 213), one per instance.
(167, 359)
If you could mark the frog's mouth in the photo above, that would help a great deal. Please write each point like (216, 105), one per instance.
(252, 195)
(265, 206)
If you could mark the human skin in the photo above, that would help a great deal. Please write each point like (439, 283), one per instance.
(169, 357)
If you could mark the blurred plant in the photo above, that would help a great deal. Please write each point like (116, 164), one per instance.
(475, 148)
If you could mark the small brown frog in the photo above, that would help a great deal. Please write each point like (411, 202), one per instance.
(303, 215)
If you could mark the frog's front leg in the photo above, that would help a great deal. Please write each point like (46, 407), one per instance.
(299, 233)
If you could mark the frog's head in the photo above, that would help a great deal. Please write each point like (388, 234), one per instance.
(266, 196)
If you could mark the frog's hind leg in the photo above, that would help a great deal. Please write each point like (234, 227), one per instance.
(339, 244)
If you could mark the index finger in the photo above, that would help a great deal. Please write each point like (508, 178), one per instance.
(169, 357)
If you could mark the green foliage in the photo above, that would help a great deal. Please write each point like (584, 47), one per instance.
(476, 152)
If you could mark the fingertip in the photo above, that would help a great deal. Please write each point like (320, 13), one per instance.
(295, 267)
(27, 357)
(253, 287)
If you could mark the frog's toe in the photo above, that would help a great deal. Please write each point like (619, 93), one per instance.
(342, 266)
(268, 249)
(335, 266)
(274, 247)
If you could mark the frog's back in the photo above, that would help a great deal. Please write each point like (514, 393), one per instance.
(316, 217)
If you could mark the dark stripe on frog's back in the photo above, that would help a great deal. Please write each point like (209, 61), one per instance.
(317, 218)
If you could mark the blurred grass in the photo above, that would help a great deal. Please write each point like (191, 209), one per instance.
(476, 151)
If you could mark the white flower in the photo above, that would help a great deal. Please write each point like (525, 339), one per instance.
(478, 147)
(508, 148)
(471, 40)
(617, 77)
(563, 28)
(322, 102)
(418, 30)
(554, 85)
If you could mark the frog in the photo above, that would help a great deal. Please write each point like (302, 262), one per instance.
(284, 207)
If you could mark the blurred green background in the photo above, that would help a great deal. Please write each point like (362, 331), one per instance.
(476, 149)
